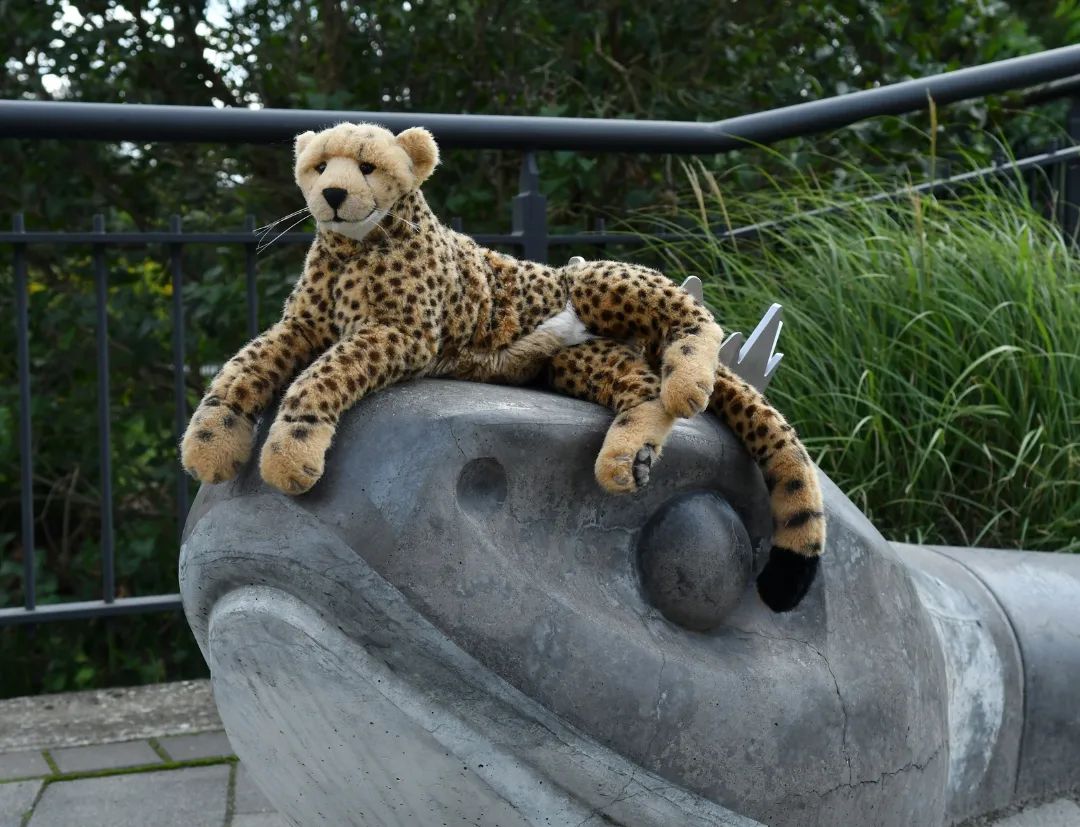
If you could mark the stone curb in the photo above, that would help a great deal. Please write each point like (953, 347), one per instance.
(106, 716)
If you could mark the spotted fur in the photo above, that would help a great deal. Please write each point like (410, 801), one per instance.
(389, 293)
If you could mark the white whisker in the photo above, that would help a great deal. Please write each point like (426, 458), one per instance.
(403, 220)
(265, 233)
(385, 232)
(265, 228)
(265, 246)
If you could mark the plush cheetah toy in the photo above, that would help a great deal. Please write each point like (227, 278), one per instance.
(389, 293)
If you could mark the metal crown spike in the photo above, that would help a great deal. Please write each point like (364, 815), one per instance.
(693, 286)
(758, 359)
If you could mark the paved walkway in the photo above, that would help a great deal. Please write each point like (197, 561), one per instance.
(157, 756)
(124, 758)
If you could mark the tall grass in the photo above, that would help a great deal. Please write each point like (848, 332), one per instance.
(932, 347)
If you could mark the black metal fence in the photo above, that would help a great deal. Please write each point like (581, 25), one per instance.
(529, 234)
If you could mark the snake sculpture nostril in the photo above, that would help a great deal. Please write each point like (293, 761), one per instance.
(695, 558)
(482, 486)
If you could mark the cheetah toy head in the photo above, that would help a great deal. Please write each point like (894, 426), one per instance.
(351, 175)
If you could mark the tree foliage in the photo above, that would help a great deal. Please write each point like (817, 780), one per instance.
(688, 60)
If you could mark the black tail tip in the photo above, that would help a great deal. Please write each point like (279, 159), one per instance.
(786, 578)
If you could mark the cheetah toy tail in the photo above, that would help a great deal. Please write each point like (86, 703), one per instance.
(795, 496)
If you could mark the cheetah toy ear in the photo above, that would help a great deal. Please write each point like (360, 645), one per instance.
(302, 140)
(422, 150)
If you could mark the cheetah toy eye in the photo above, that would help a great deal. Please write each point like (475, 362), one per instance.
(320, 168)
(366, 167)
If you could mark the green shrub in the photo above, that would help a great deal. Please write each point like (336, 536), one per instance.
(932, 363)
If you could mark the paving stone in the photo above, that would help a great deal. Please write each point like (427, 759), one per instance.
(260, 820)
(22, 764)
(202, 745)
(188, 797)
(105, 756)
(249, 798)
(16, 797)
(1060, 813)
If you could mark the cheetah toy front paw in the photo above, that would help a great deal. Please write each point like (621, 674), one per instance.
(632, 446)
(293, 457)
(216, 444)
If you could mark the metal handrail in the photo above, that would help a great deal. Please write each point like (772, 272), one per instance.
(145, 122)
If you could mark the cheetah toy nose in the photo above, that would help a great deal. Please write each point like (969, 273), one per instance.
(335, 196)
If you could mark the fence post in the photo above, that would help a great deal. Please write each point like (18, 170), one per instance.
(1071, 216)
(101, 297)
(26, 456)
(530, 212)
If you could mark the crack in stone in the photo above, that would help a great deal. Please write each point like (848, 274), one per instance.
(604, 529)
(454, 436)
(843, 709)
(659, 700)
(913, 765)
(621, 795)
(836, 686)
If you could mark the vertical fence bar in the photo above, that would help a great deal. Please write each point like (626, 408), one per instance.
(26, 457)
(101, 290)
(250, 252)
(179, 368)
(530, 212)
(1070, 219)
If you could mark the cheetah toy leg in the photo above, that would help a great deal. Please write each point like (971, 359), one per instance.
(371, 358)
(219, 437)
(628, 301)
(618, 376)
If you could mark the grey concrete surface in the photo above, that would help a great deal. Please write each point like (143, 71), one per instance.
(104, 756)
(195, 797)
(1040, 594)
(984, 672)
(16, 799)
(353, 742)
(454, 617)
(1060, 813)
(100, 715)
